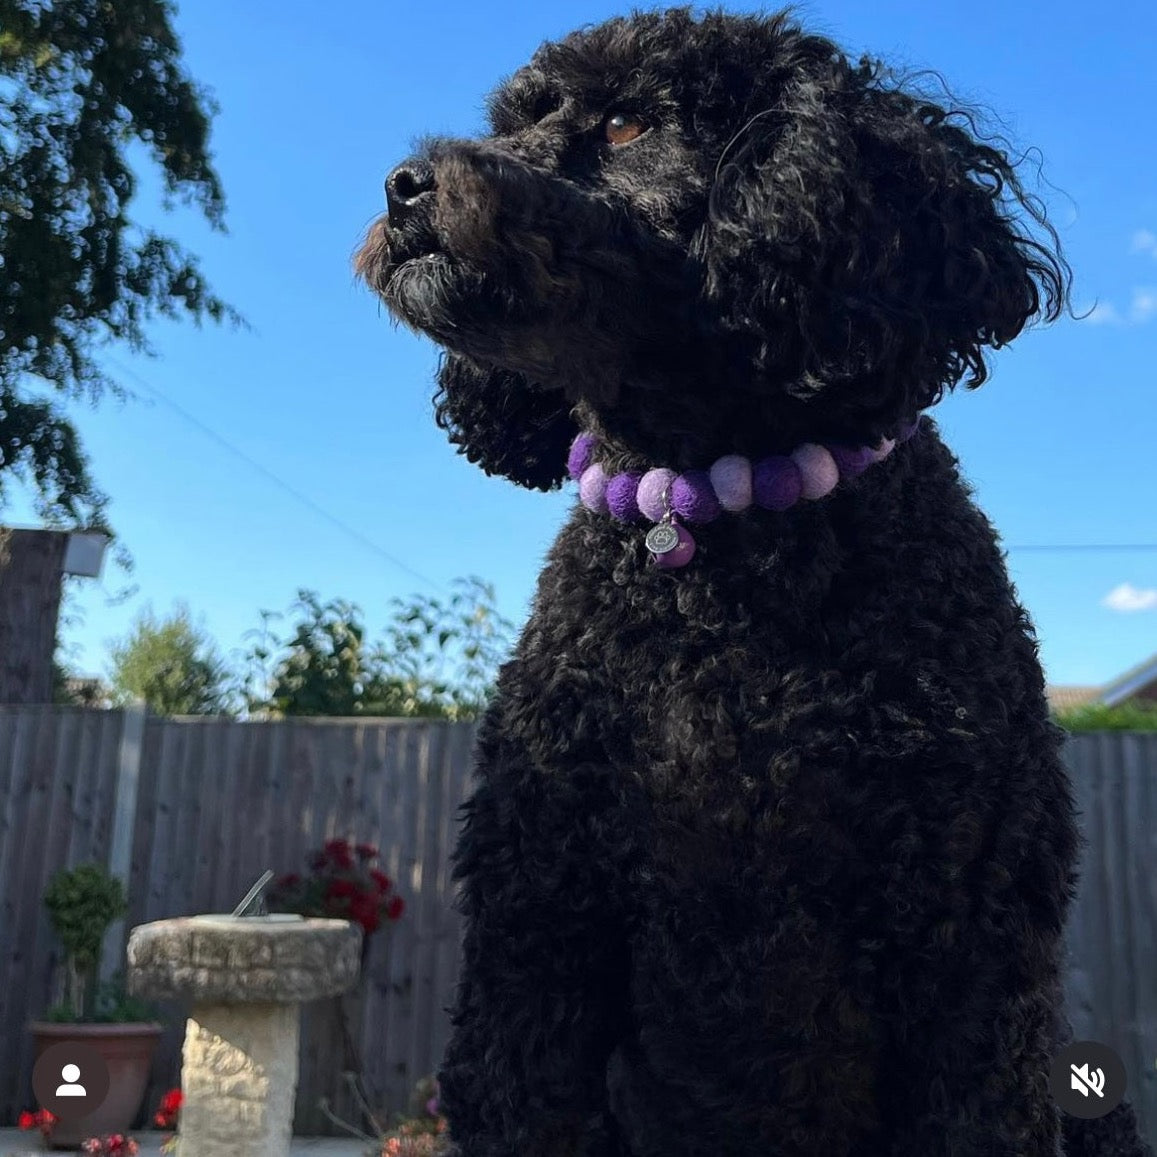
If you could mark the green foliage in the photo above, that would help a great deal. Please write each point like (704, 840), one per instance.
(111, 1005)
(438, 658)
(82, 82)
(1134, 716)
(320, 669)
(82, 903)
(172, 665)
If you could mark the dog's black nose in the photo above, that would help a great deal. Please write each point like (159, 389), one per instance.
(406, 186)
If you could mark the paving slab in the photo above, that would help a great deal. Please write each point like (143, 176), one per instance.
(14, 1143)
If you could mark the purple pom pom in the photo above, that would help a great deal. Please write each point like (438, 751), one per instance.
(621, 501)
(731, 481)
(776, 482)
(683, 553)
(579, 457)
(593, 489)
(852, 461)
(693, 498)
(650, 494)
(818, 470)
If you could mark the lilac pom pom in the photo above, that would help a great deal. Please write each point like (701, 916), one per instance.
(731, 481)
(621, 500)
(776, 482)
(851, 461)
(693, 498)
(818, 470)
(593, 489)
(579, 457)
(650, 495)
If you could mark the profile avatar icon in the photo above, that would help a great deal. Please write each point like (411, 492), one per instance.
(71, 1074)
(71, 1080)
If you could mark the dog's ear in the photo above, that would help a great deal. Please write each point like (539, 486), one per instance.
(504, 424)
(866, 242)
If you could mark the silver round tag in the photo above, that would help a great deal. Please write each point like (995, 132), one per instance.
(662, 538)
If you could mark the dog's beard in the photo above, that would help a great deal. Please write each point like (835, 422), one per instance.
(428, 294)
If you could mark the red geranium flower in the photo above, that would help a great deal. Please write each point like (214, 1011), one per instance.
(166, 1115)
(341, 885)
(341, 890)
(28, 1121)
(365, 912)
(339, 853)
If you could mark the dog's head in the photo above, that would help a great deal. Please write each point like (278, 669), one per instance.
(708, 236)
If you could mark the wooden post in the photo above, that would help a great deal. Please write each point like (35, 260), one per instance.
(120, 852)
(31, 567)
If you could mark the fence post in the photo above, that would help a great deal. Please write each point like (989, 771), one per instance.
(124, 822)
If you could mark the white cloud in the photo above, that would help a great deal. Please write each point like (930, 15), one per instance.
(1103, 314)
(1128, 598)
(1143, 308)
(1144, 305)
(1144, 241)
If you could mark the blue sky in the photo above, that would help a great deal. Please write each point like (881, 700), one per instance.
(325, 395)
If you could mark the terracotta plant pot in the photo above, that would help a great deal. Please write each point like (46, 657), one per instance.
(128, 1050)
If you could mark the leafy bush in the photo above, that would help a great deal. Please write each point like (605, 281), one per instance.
(1097, 717)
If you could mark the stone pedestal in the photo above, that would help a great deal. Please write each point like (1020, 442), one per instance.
(246, 978)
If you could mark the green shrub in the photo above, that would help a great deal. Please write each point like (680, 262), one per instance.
(1097, 717)
(82, 904)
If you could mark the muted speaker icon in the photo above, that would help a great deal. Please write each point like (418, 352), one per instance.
(1087, 1079)
(1084, 1080)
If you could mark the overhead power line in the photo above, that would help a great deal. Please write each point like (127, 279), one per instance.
(369, 544)
(1088, 546)
(350, 531)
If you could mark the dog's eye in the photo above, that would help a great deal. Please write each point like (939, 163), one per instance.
(620, 128)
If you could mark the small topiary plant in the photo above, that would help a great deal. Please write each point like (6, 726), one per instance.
(82, 903)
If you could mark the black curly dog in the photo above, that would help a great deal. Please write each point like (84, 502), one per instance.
(769, 854)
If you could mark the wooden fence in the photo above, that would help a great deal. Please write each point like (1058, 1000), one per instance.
(1112, 933)
(200, 807)
(217, 802)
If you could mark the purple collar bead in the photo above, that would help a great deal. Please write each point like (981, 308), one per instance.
(581, 451)
(693, 498)
(653, 488)
(731, 481)
(776, 482)
(732, 484)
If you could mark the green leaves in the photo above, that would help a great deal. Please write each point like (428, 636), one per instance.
(437, 659)
(81, 904)
(1134, 716)
(172, 665)
(80, 82)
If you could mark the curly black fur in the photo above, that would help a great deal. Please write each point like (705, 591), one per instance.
(770, 855)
